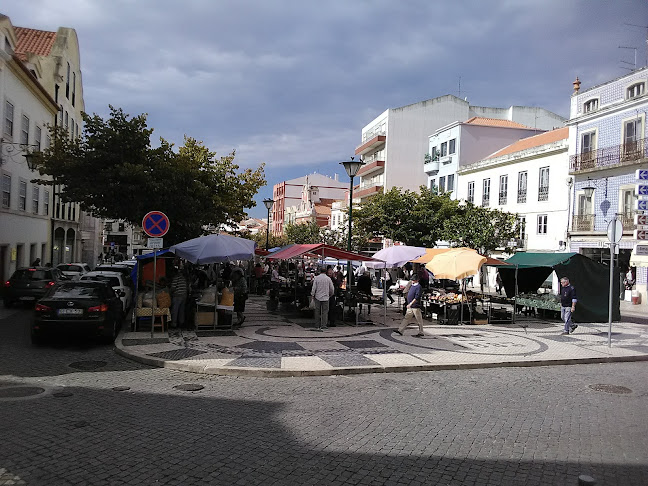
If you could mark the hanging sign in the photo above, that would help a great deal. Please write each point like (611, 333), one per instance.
(153, 243)
(642, 189)
(641, 219)
(641, 174)
(641, 234)
(642, 205)
(155, 224)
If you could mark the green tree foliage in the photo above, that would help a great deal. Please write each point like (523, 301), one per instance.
(260, 238)
(422, 219)
(303, 233)
(113, 172)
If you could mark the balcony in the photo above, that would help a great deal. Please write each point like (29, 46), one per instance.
(543, 194)
(628, 220)
(583, 222)
(521, 197)
(609, 157)
(485, 200)
(502, 198)
(371, 144)
(371, 167)
(366, 190)
(520, 243)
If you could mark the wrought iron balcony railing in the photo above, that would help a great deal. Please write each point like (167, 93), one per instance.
(583, 222)
(603, 158)
(543, 194)
(521, 196)
(502, 198)
(627, 220)
(486, 200)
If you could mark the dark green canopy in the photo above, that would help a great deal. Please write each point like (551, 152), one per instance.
(590, 279)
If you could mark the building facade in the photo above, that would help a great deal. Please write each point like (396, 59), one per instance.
(394, 144)
(461, 144)
(607, 135)
(290, 194)
(26, 111)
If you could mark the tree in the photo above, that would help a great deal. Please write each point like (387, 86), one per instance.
(482, 229)
(113, 172)
(303, 233)
(260, 238)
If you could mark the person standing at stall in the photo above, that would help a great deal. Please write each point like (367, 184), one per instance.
(567, 305)
(240, 294)
(332, 308)
(179, 292)
(321, 292)
(413, 308)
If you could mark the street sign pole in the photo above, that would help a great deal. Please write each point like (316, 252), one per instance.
(614, 235)
(155, 224)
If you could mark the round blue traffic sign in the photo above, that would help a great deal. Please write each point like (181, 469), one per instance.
(155, 224)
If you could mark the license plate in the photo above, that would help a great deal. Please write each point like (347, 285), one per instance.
(70, 312)
(27, 297)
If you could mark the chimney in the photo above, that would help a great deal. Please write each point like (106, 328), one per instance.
(336, 177)
(576, 84)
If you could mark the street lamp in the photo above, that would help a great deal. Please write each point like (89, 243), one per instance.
(352, 167)
(12, 149)
(268, 204)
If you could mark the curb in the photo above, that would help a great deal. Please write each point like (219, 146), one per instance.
(286, 373)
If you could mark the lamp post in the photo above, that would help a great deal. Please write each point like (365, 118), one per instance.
(268, 204)
(352, 167)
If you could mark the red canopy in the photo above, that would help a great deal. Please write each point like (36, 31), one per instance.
(261, 252)
(320, 250)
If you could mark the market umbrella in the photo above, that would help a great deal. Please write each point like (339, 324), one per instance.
(456, 264)
(214, 249)
(395, 256)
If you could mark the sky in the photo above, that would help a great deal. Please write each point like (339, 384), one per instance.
(291, 83)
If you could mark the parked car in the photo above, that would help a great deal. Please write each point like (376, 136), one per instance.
(73, 270)
(89, 308)
(117, 281)
(27, 285)
(125, 270)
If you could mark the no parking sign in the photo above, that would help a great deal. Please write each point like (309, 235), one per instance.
(155, 224)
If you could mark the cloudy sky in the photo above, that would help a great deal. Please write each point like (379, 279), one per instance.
(292, 82)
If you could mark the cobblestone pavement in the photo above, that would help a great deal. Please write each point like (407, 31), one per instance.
(63, 425)
(286, 344)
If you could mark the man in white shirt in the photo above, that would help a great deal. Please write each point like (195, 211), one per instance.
(321, 292)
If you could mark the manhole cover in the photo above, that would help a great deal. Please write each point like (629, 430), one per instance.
(121, 388)
(20, 391)
(189, 387)
(62, 394)
(611, 388)
(87, 365)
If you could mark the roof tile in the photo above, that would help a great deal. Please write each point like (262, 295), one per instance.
(493, 122)
(535, 141)
(32, 41)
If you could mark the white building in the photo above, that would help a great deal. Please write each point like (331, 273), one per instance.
(530, 178)
(25, 112)
(394, 144)
(460, 144)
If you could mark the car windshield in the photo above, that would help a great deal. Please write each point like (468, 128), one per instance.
(32, 274)
(70, 291)
(70, 268)
(112, 281)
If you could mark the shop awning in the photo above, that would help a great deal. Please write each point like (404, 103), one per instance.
(530, 260)
(320, 250)
(639, 256)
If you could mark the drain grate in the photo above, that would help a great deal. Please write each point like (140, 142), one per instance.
(189, 387)
(611, 388)
(20, 391)
(87, 365)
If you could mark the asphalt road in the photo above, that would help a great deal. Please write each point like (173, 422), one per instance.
(71, 425)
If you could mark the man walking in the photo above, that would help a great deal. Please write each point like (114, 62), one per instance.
(321, 292)
(567, 305)
(413, 308)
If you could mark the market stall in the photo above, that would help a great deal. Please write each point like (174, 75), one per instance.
(525, 272)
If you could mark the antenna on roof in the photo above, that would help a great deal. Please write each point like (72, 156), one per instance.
(635, 58)
(641, 27)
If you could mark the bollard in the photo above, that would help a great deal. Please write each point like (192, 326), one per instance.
(585, 480)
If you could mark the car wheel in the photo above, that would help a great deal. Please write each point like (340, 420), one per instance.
(110, 338)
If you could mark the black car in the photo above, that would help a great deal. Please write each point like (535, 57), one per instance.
(30, 284)
(89, 308)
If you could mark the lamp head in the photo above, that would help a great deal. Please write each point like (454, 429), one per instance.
(589, 191)
(268, 203)
(32, 158)
(352, 166)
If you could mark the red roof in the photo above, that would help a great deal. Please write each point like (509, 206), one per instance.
(493, 122)
(32, 41)
(535, 141)
(319, 249)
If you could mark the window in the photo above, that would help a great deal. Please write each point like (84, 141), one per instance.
(503, 189)
(8, 119)
(588, 145)
(590, 105)
(37, 138)
(635, 90)
(35, 198)
(48, 141)
(22, 196)
(73, 88)
(543, 188)
(522, 186)
(486, 193)
(434, 154)
(451, 178)
(108, 227)
(24, 130)
(444, 149)
(46, 203)
(72, 127)
(542, 224)
(522, 226)
(6, 190)
(442, 184)
(67, 82)
(451, 148)
(67, 121)
(471, 192)
(632, 137)
(122, 227)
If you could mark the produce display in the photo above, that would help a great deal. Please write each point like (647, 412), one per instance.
(547, 301)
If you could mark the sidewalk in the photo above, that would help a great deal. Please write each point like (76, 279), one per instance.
(282, 344)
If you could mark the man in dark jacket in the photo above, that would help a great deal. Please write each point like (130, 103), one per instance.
(413, 308)
(567, 305)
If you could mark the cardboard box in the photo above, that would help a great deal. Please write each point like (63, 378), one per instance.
(204, 318)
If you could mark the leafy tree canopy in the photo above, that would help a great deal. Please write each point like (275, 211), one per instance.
(113, 172)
